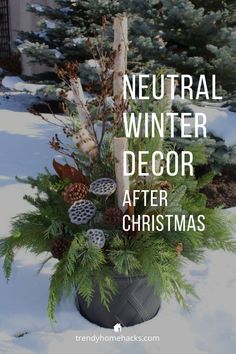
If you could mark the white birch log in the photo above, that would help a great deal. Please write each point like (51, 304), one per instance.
(120, 145)
(86, 143)
(167, 92)
(120, 46)
(80, 101)
(85, 138)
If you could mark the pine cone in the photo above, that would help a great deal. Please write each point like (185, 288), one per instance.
(59, 247)
(165, 185)
(113, 216)
(133, 230)
(179, 248)
(75, 192)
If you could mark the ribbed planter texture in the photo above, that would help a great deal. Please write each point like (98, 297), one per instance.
(135, 302)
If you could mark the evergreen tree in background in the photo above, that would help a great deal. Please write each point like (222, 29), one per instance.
(194, 37)
(64, 30)
(212, 5)
(199, 39)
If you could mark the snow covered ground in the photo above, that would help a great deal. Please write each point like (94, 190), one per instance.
(209, 328)
(220, 121)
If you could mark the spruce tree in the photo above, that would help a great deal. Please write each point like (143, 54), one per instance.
(200, 39)
(64, 30)
(194, 37)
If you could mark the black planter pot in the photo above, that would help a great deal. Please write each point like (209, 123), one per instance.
(135, 302)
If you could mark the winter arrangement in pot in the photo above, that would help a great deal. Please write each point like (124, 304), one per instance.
(117, 265)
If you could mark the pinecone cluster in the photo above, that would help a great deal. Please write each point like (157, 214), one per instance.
(74, 192)
(113, 217)
(59, 247)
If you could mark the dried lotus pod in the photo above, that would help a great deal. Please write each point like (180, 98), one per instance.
(86, 143)
(96, 237)
(82, 211)
(103, 187)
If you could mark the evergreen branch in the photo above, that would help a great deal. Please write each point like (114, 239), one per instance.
(106, 284)
(181, 288)
(218, 231)
(84, 284)
(124, 261)
(56, 289)
(91, 257)
(43, 264)
(7, 264)
(205, 179)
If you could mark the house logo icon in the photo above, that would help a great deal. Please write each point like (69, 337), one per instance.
(117, 328)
